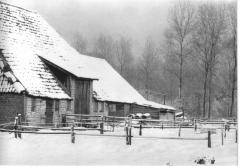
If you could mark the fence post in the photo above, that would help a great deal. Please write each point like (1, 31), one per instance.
(16, 127)
(129, 131)
(209, 139)
(113, 123)
(126, 135)
(236, 135)
(222, 135)
(179, 131)
(101, 126)
(140, 128)
(19, 127)
(195, 125)
(130, 135)
(72, 134)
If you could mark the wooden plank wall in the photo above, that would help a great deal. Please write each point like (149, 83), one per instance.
(39, 113)
(82, 96)
(10, 104)
(141, 109)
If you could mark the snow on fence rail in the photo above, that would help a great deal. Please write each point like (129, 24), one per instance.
(76, 125)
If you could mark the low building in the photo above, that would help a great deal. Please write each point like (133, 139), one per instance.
(42, 76)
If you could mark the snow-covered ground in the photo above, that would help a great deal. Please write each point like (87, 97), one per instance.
(99, 150)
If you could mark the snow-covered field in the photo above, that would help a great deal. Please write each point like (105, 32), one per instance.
(99, 150)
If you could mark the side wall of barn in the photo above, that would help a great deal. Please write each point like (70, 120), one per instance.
(10, 104)
(141, 109)
(79, 89)
(155, 113)
(166, 115)
(110, 108)
(44, 110)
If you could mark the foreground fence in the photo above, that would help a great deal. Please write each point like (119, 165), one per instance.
(73, 124)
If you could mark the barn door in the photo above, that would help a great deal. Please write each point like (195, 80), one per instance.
(82, 98)
(49, 111)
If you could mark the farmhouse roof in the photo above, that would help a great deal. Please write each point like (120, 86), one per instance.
(21, 41)
(26, 38)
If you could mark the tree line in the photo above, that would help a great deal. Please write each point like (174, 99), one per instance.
(194, 66)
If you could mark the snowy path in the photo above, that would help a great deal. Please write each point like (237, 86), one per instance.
(57, 149)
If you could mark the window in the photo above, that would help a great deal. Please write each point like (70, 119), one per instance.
(33, 106)
(56, 105)
(119, 107)
(112, 107)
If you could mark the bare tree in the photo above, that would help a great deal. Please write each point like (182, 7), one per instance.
(80, 43)
(177, 38)
(103, 48)
(207, 40)
(232, 46)
(148, 63)
(123, 54)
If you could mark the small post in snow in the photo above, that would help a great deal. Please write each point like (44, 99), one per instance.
(101, 126)
(126, 128)
(195, 125)
(72, 134)
(140, 128)
(222, 135)
(209, 139)
(130, 136)
(113, 123)
(179, 131)
(236, 135)
(129, 131)
(19, 127)
(16, 127)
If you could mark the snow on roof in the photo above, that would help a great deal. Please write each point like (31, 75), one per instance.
(20, 42)
(157, 105)
(178, 113)
(41, 40)
(111, 86)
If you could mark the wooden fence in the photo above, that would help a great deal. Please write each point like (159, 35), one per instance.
(72, 123)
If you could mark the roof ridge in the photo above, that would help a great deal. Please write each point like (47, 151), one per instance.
(31, 11)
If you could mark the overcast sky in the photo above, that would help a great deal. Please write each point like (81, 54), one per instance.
(136, 19)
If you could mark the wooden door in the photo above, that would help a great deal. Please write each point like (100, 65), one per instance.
(82, 97)
(49, 111)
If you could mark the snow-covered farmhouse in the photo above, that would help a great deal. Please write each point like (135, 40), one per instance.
(43, 77)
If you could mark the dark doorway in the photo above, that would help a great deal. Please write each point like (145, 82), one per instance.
(49, 111)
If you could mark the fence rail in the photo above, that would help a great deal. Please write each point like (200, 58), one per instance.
(74, 123)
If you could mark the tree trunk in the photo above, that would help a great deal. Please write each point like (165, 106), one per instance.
(180, 76)
(210, 94)
(234, 77)
(233, 85)
(180, 73)
(204, 94)
(146, 85)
